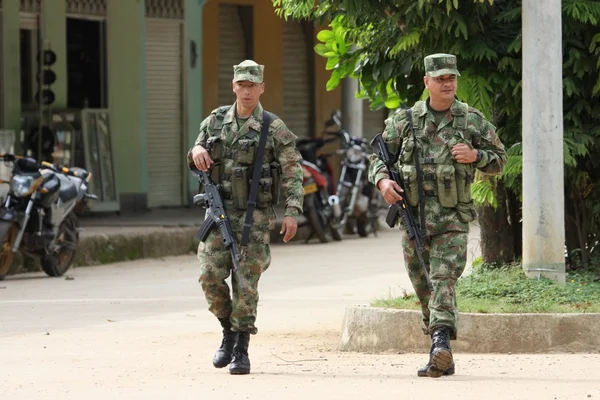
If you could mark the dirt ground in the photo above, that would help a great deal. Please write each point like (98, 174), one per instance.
(141, 330)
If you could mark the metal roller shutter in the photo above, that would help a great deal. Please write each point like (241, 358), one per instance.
(1, 76)
(163, 102)
(373, 121)
(29, 21)
(232, 49)
(296, 80)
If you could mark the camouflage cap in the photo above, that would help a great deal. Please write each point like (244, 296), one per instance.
(440, 64)
(248, 70)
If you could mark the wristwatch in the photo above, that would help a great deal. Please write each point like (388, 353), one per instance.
(479, 154)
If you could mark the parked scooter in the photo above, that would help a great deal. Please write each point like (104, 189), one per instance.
(37, 218)
(321, 207)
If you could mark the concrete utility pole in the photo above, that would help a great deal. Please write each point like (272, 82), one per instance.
(543, 161)
(352, 108)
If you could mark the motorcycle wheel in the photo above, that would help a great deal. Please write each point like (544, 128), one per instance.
(370, 218)
(57, 264)
(8, 234)
(315, 218)
(336, 232)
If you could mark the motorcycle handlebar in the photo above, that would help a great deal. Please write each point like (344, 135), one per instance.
(60, 169)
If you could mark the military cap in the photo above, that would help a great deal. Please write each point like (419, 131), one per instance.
(248, 70)
(440, 64)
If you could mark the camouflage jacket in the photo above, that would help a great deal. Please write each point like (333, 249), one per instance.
(280, 151)
(446, 187)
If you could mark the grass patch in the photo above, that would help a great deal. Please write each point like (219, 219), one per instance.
(508, 290)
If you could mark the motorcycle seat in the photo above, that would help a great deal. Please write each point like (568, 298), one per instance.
(69, 187)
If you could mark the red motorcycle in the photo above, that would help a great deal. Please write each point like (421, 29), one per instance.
(322, 208)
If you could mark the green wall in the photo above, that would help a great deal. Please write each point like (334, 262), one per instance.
(126, 32)
(193, 84)
(11, 67)
(54, 28)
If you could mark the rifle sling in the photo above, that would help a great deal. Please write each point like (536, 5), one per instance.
(251, 205)
(419, 177)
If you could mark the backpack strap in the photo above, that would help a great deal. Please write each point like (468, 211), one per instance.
(459, 119)
(264, 132)
(219, 117)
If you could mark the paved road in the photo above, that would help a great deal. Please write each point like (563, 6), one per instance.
(140, 330)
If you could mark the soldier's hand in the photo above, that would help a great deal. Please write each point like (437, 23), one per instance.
(201, 158)
(390, 191)
(289, 228)
(464, 154)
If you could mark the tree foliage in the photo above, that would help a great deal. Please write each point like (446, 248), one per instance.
(382, 43)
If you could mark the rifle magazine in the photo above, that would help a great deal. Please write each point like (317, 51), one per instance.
(207, 226)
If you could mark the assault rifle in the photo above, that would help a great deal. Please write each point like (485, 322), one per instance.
(401, 208)
(216, 218)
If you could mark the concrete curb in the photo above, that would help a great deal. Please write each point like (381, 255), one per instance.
(151, 242)
(375, 330)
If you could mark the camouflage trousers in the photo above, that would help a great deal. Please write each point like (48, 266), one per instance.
(445, 257)
(216, 266)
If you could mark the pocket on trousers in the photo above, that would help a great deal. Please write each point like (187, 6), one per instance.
(466, 212)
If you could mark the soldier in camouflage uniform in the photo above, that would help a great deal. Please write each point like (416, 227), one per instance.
(452, 139)
(226, 147)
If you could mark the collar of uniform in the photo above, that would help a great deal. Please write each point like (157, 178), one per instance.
(230, 114)
(256, 118)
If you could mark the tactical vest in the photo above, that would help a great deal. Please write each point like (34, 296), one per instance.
(445, 178)
(233, 166)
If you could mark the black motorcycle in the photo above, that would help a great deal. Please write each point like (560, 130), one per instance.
(358, 198)
(38, 218)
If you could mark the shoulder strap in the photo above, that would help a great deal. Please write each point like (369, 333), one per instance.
(264, 132)
(419, 175)
(460, 119)
(219, 117)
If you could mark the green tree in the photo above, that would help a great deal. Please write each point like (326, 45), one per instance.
(382, 43)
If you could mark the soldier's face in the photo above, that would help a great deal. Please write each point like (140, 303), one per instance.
(441, 87)
(248, 93)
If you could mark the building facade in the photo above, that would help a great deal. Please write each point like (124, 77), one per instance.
(137, 78)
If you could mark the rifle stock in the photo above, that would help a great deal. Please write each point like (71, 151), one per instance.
(217, 218)
(401, 209)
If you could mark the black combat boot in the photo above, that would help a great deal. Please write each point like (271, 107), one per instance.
(440, 360)
(423, 370)
(223, 355)
(240, 365)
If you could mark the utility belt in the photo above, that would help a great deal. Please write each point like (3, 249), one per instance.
(451, 184)
(269, 186)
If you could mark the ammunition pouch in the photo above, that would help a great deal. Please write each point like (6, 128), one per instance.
(214, 147)
(245, 152)
(409, 179)
(268, 186)
(464, 179)
(240, 187)
(446, 185)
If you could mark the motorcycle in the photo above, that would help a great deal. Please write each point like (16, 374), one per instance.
(321, 208)
(38, 218)
(358, 198)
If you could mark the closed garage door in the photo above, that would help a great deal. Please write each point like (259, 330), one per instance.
(163, 99)
(296, 80)
(1, 76)
(232, 49)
